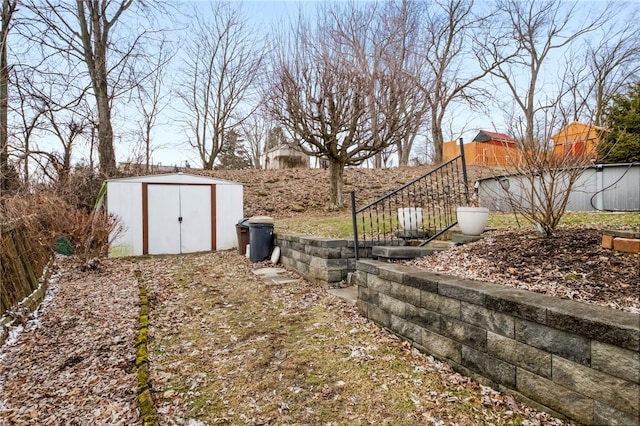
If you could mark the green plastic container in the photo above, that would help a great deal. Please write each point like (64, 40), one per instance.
(63, 246)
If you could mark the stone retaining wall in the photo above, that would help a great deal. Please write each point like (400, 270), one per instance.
(325, 261)
(572, 359)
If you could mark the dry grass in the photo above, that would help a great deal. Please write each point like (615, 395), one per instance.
(227, 348)
(305, 192)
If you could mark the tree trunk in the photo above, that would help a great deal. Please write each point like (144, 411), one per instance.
(402, 157)
(404, 150)
(94, 36)
(377, 163)
(436, 135)
(106, 153)
(7, 10)
(99, 77)
(147, 146)
(4, 143)
(336, 185)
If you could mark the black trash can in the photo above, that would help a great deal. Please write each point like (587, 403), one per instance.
(242, 231)
(261, 237)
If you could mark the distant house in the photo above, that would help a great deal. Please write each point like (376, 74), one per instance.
(487, 148)
(285, 157)
(576, 140)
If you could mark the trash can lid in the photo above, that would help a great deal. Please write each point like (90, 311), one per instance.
(261, 219)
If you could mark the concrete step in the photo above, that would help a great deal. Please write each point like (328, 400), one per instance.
(402, 252)
(350, 294)
(274, 275)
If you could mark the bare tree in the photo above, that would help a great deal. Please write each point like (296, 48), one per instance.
(85, 32)
(545, 179)
(29, 109)
(47, 107)
(386, 39)
(222, 60)
(8, 9)
(151, 97)
(321, 92)
(255, 130)
(600, 68)
(56, 164)
(57, 115)
(613, 61)
(542, 179)
(455, 37)
(401, 27)
(538, 29)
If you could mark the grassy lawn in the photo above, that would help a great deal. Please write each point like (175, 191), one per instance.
(340, 225)
(228, 348)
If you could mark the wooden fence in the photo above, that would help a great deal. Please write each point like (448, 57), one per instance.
(22, 262)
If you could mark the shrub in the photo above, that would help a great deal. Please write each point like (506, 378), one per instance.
(47, 217)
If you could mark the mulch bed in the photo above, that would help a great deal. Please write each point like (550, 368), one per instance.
(570, 264)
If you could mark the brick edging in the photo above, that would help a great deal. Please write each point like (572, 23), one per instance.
(623, 241)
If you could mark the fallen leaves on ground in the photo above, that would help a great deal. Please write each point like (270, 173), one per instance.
(72, 363)
(301, 192)
(571, 264)
(227, 348)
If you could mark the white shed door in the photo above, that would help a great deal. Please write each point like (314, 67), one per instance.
(196, 225)
(179, 218)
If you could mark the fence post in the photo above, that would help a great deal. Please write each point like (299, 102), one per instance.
(355, 224)
(464, 172)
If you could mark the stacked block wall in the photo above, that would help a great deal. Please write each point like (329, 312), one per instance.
(326, 261)
(571, 359)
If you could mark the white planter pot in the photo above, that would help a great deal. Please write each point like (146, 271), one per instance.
(410, 218)
(472, 220)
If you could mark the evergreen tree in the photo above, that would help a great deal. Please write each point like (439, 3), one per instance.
(233, 155)
(621, 143)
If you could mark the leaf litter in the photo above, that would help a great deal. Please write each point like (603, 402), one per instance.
(72, 363)
(227, 348)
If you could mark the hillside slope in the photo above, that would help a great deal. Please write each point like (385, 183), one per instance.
(293, 192)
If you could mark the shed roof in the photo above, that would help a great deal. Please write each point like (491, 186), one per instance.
(484, 136)
(184, 178)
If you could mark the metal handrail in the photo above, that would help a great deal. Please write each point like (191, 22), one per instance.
(435, 193)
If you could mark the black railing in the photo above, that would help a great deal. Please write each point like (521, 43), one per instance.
(421, 210)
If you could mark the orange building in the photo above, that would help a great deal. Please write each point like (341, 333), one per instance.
(487, 149)
(576, 139)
